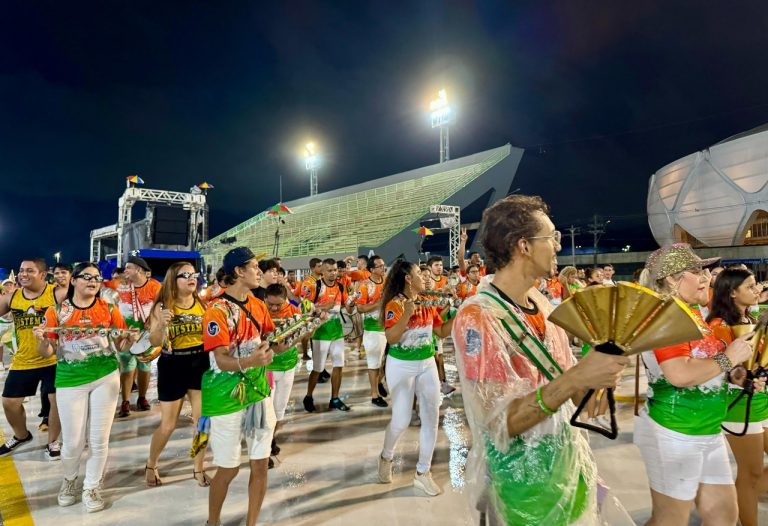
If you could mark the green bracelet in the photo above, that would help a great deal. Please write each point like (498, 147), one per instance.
(541, 403)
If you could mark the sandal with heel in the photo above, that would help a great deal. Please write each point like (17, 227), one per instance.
(157, 482)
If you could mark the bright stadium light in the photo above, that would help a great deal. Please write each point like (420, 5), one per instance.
(312, 162)
(441, 116)
(57, 257)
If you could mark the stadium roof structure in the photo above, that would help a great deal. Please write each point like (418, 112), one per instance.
(376, 215)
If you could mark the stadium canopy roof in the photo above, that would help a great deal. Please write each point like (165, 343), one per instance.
(365, 215)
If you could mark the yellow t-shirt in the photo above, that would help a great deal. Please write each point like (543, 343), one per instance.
(28, 314)
(185, 330)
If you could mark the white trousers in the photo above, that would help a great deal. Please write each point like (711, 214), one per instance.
(405, 379)
(374, 343)
(90, 406)
(282, 391)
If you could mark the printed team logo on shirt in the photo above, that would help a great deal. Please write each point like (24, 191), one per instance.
(472, 342)
(390, 314)
(212, 328)
(66, 312)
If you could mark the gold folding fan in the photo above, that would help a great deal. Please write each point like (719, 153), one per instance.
(624, 319)
(631, 317)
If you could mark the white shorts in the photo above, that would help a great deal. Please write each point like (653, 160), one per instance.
(226, 438)
(282, 391)
(320, 351)
(677, 463)
(754, 428)
(374, 343)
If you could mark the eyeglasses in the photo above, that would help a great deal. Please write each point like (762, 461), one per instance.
(379, 266)
(90, 277)
(188, 275)
(556, 235)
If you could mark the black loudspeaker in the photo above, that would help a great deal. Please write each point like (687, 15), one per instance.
(170, 226)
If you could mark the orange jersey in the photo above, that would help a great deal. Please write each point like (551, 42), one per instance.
(112, 283)
(465, 290)
(100, 314)
(721, 330)
(439, 283)
(369, 292)
(136, 302)
(555, 288)
(345, 280)
(360, 275)
(335, 294)
(288, 311)
(705, 347)
(226, 325)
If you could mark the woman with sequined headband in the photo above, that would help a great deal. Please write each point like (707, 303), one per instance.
(735, 291)
(87, 379)
(678, 431)
(176, 325)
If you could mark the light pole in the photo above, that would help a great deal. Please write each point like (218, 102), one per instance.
(312, 161)
(57, 257)
(441, 116)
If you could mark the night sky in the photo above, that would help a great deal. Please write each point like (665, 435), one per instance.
(601, 95)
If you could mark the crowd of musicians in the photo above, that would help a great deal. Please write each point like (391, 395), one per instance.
(88, 343)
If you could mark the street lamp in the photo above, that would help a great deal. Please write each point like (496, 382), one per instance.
(441, 116)
(311, 161)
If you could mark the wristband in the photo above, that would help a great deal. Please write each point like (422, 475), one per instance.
(542, 405)
(722, 361)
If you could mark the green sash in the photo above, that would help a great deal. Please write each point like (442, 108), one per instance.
(535, 351)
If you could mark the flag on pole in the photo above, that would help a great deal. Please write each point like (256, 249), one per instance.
(423, 231)
(135, 179)
(279, 210)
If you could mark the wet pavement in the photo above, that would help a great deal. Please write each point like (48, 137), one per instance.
(326, 473)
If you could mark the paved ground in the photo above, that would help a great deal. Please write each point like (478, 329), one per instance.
(326, 473)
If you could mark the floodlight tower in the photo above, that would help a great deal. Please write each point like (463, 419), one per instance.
(441, 116)
(312, 161)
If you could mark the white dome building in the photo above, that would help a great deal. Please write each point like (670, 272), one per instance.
(717, 197)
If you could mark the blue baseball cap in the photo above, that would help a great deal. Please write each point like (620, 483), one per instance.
(237, 257)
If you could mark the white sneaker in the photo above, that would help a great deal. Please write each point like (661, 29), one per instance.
(425, 483)
(604, 421)
(92, 500)
(68, 492)
(385, 470)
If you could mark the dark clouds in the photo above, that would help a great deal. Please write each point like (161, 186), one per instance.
(604, 93)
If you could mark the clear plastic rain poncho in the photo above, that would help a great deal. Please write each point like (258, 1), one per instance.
(546, 475)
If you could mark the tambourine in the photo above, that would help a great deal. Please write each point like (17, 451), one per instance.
(89, 330)
(434, 298)
(291, 330)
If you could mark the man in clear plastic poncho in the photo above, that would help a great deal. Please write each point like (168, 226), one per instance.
(527, 465)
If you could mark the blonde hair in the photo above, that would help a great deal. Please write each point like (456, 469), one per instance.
(169, 290)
